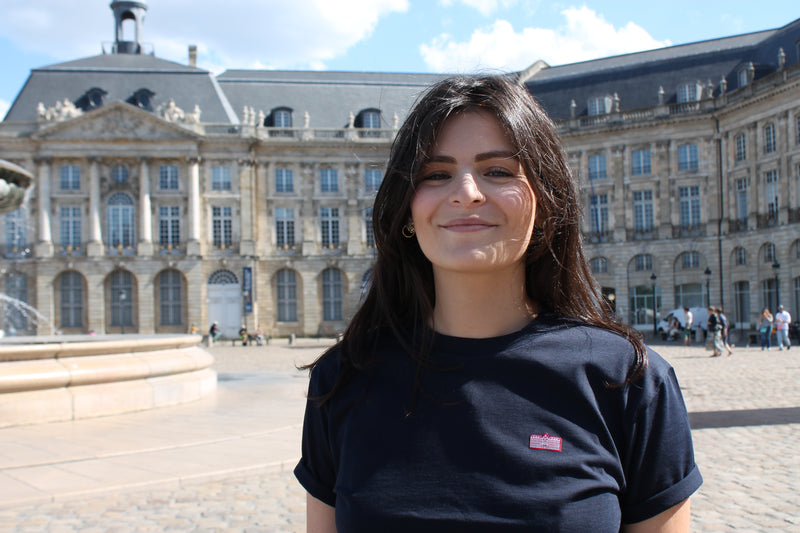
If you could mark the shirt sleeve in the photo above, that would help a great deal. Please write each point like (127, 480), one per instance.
(316, 470)
(660, 470)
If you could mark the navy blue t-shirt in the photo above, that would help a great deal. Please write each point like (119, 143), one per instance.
(511, 433)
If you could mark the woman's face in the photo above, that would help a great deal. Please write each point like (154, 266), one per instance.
(473, 209)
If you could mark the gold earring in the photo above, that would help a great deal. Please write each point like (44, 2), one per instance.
(408, 230)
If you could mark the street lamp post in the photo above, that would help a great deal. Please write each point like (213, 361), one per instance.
(653, 278)
(775, 268)
(122, 298)
(708, 286)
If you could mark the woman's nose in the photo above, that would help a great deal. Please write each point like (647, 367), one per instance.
(467, 190)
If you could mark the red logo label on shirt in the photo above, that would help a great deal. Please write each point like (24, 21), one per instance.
(545, 442)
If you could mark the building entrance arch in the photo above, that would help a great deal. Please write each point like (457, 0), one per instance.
(225, 302)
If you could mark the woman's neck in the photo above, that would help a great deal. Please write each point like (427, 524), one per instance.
(481, 305)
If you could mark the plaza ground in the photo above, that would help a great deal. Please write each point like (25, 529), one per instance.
(224, 463)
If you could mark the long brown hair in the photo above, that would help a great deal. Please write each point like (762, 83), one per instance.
(401, 296)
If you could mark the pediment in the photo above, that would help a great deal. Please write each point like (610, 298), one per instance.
(116, 121)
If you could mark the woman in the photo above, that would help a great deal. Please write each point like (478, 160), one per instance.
(714, 333)
(481, 386)
(765, 328)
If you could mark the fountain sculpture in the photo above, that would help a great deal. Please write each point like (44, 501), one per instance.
(60, 377)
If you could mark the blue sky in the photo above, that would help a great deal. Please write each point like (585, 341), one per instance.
(381, 35)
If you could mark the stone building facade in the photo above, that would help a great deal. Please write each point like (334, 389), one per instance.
(158, 205)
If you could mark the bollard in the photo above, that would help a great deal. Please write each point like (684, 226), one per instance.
(292, 338)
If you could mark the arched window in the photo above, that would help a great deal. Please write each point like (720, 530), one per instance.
(286, 285)
(332, 294)
(223, 277)
(71, 295)
(643, 262)
(120, 221)
(170, 298)
(120, 288)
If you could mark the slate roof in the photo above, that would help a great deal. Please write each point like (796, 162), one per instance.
(636, 78)
(328, 96)
(120, 76)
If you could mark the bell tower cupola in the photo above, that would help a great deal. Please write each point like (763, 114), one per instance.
(128, 13)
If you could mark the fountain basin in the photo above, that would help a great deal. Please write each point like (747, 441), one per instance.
(58, 378)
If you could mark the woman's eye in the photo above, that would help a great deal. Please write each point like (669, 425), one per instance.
(435, 176)
(499, 173)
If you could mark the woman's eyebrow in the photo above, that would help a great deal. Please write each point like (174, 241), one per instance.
(494, 154)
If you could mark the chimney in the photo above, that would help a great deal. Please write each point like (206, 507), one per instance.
(192, 55)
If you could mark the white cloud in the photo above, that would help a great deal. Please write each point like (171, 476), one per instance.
(586, 35)
(230, 34)
(484, 7)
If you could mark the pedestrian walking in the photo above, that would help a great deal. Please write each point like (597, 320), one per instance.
(714, 329)
(765, 328)
(782, 321)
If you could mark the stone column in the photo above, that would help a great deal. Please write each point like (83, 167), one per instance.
(95, 246)
(145, 246)
(193, 246)
(262, 235)
(44, 246)
(244, 169)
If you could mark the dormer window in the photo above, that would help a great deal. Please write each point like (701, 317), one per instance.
(281, 118)
(742, 75)
(91, 99)
(689, 92)
(599, 105)
(368, 119)
(143, 99)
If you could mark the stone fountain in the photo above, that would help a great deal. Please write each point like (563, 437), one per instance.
(61, 377)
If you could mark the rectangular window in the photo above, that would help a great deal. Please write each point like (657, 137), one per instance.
(169, 218)
(643, 210)
(598, 211)
(640, 162)
(741, 302)
(372, 179)
(170, 288)
(283, 180)
(769, 139)
(168, 177)
(688, 92)
(221, 178)
(741, 199)
(370, 234)
(70, 178)
(69, 222)
(689, 206)
(329, 180)
(329, 220)
(284, 227)
(597, 167)
(689, 295)
(222, 227)
(797, 131)
(687, 157)
(16, 223)
(741, 147)
(771, 192)
(282, 118)
(287, 295)
(596, 106)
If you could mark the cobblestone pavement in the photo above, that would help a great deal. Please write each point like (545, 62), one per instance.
(751, 472)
